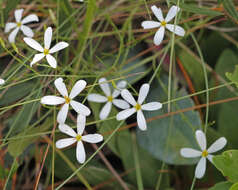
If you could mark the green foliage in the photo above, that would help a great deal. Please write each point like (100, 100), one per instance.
(222, 186)
(27, 137)
(233, 76)
(227, 164)
(231, 9)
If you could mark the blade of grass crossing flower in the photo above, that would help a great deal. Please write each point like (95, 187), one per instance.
(137, 163)
(91, 157)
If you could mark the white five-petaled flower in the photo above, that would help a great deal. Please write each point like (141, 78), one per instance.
(20, 25)
(204, 153)
(2, 81)
(77, 138)
(163, 23)
(67, 99)
(110, 98)
(138, 106)
(46, 51)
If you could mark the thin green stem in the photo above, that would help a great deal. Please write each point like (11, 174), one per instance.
(193, 183)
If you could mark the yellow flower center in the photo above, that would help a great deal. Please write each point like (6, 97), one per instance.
(138, 107)
(46, 51)
(109, 98)
(204, 153)
(18, 24)
(78, 137)
(67, 99)
(163, 23)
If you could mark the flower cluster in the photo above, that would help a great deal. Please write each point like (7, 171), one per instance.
(127, 103)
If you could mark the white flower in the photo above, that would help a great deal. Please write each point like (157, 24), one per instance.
(46, 51)
(159, 35)
(2, 81)
(77, 137)
(204, 153)
(138, 106)
(20, 25)
(67, 99)
(110, 98)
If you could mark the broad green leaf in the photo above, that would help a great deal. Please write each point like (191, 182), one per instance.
(231, 9)
(225, 114)
(17, 92)
(233, 76)
(222, 186)
(165, 137)
(27, 137)
(227, 164)
(234, 186)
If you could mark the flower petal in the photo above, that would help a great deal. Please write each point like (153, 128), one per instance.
(67, 130)
(105, 110)
(18, 14)
(9, 26)
(51, 60)
(105, 86)
(217, 145)
(62, 114)
(150, 24)
(12, 36)
(59, 46)
(96, 98)
(48, 37)
(80, 108)
(120, 86)
(81, 122)
(141, 120)
(80, 152)
(175, 29)
(201, 139)
(92, 138)
(144, 89)
(172, 13)
(159, 36)
(151, 106)
(2, 81)
(121, 103)
(30, 18)
(27, 31)
(77, 88)
(158, 13)
(201, 168)
(128, 97)
(190, 153)
(125, 114)
(52, 100)
(60, 85)
(62, 143)
(34, 44)
(37, 57)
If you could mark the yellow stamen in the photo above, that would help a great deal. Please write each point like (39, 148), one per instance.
(67, 99)
(138, 107)
(109, 98)
(78, 137)
(18, 24)
(163, 23)
(46, 51)
(204, 153)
